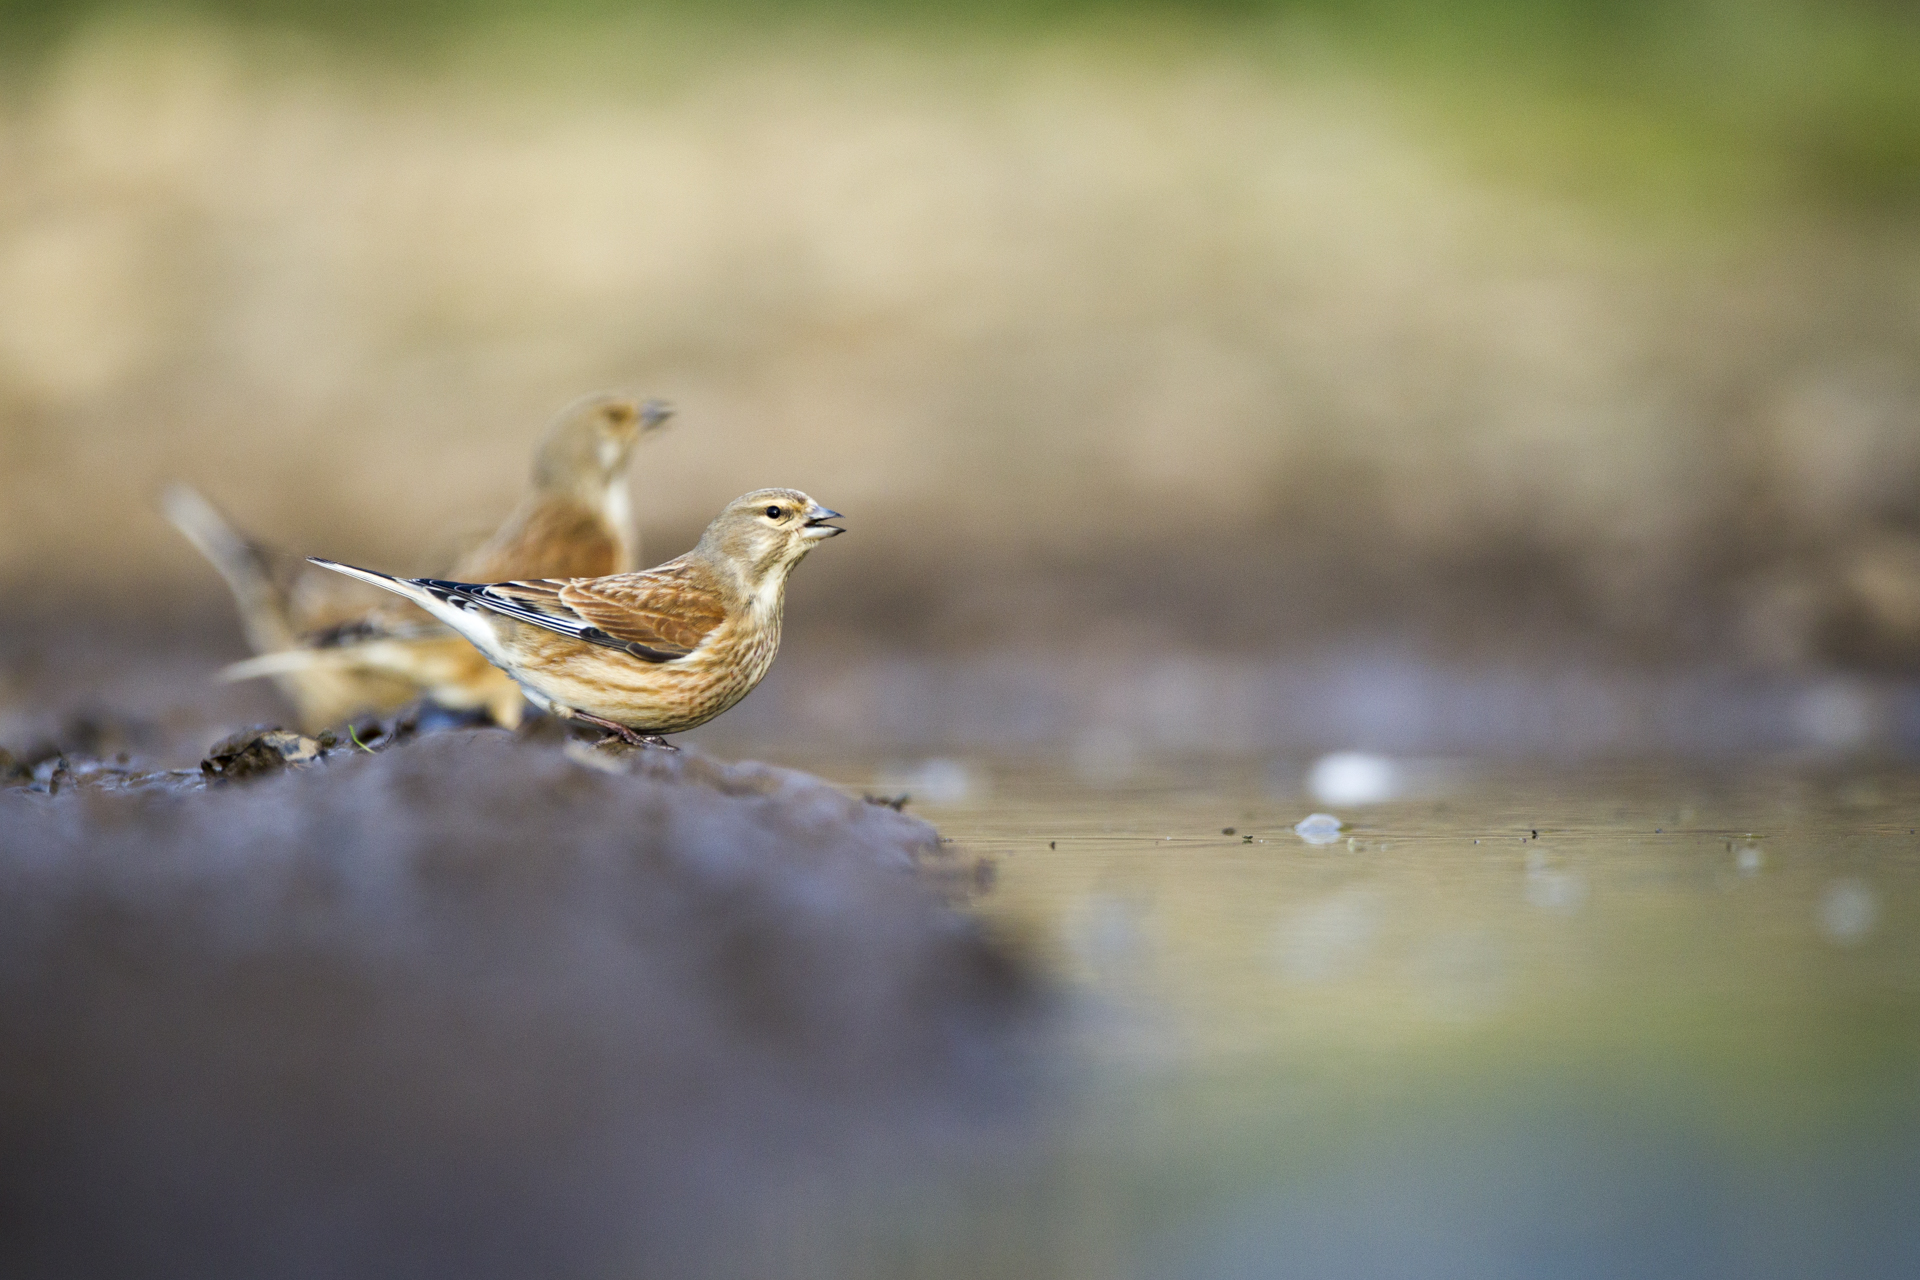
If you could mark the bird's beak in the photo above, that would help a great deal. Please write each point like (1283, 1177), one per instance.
(653, 413)
(816, 526)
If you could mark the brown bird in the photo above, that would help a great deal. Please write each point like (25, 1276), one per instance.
(641, 654)
(338, 653)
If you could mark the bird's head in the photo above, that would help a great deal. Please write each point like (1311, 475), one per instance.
(766, 532)
(587, 446)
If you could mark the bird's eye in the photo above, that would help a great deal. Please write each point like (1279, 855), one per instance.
(774, 513)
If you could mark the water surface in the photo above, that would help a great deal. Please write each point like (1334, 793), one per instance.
(1523, 1021)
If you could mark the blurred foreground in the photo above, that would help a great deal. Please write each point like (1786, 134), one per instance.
(478, 1005)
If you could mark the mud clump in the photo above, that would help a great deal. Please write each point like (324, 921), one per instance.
(478, 1005)
(256, 753)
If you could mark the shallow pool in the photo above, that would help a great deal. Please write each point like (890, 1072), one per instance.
(1599, 1021)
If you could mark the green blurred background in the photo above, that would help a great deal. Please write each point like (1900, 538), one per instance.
(1495, 332)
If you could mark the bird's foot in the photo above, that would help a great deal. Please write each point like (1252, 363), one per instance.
(631, 737)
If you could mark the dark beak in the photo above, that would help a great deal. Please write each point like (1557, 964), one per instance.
(653, 413)
(817, 526)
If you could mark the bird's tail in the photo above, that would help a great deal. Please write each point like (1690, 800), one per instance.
(385, 655)
(244, 563)
(291, 662)
(386, 582)
(280, 662)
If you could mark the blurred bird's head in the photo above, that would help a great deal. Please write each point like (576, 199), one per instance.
(765, 533)
(587, 446)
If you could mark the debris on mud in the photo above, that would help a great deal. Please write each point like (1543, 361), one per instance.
(257, 752)
(476, 1003)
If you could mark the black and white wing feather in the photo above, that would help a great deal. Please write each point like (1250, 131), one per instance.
(545, 603)
(657, 616)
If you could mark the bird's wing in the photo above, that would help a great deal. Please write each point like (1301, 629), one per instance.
(656, 616)
(667, 608)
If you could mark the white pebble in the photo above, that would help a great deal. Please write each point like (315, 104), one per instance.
(1318, 828)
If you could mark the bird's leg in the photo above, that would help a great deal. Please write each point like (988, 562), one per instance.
(629, 736)
(618, 730)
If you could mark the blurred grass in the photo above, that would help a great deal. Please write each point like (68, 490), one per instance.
(1726, 101)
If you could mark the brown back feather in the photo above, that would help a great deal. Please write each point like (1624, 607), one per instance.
(553, 538)
(669, 609)
(672, 607)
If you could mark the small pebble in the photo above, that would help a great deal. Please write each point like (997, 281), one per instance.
(1318, 828)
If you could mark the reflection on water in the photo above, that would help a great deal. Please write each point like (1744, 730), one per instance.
(1602, 1022)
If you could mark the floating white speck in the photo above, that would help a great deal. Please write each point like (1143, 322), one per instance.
(1354, 777)
(937, 781)
(1318, 828)
(1749, 858)
(1848, 911)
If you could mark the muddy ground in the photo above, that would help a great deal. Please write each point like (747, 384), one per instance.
(474, 1003)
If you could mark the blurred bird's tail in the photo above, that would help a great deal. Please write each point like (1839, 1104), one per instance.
(288, 662)
(395, 656)
(244, 563)
(288, 612)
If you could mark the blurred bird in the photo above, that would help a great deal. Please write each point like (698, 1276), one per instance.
(577, 521)
(641, 654)
(338, 653)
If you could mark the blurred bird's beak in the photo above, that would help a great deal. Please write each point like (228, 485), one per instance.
(653, 413)
(816, 527)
